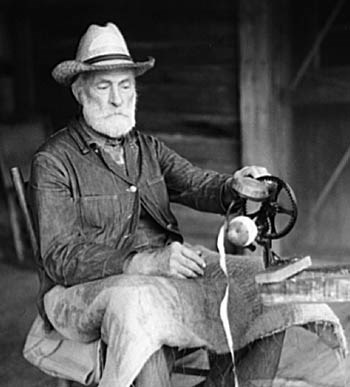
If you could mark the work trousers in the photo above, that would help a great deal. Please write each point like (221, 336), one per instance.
(145, 320)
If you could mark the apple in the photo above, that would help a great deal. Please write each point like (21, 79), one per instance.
(241, 231)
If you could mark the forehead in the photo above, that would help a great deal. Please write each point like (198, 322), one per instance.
(114, 76)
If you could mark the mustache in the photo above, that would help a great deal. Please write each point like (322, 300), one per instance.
(115, 114)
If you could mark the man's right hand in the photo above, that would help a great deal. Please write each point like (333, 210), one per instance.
(175, 260)
(184, 262)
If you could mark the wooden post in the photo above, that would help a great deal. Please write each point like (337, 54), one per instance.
(264, 74)
(265, 112)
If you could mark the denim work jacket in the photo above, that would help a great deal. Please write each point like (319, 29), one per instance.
(86, 209)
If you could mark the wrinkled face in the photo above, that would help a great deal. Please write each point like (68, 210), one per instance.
(108, 99)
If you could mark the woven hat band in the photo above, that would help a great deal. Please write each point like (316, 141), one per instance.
(106, 57)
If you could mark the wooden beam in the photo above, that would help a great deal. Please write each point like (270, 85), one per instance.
(255, 85)
(315, 47)
(264, 74)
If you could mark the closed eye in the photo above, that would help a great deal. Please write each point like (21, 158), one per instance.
(126, 85)
(102, 85)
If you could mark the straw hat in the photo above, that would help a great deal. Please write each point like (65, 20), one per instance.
(100, 48)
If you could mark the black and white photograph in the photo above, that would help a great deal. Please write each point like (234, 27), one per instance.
(175, 193)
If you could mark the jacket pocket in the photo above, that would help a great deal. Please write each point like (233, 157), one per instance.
(104, 212)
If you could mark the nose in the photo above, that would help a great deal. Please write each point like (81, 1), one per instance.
(115, 97)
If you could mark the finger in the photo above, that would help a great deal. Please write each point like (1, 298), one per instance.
(193, 255)
(193, 266)
(248, 171)
(187, 272)
(178, 268)
(260, 171)
(180, 264)
(257, 171)
(241, 172)
(254, 171)
(178, 275)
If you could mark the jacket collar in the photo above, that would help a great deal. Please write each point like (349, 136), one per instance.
(76, 130)
(85, 136)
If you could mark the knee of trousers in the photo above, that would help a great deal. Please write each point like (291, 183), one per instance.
(146, 306)
(129, 303)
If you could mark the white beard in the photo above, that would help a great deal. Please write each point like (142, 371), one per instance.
(111, 124)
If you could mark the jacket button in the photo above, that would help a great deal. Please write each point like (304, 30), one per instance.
(132, 188)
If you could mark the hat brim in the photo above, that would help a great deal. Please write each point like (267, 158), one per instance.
(65, 72)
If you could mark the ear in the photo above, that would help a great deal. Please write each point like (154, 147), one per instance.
(78, 87)
(76, 90)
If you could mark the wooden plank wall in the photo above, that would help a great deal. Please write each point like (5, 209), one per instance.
(193, 87)
(321, 137)
(321, 132)
(189, 99)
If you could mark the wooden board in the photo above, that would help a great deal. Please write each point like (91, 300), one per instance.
(283, 271)
(313, 285)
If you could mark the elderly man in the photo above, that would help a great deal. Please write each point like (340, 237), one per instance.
(113, 262)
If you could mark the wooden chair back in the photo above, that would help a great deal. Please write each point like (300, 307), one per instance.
(20, 190)
(18, 143)
(19, 186)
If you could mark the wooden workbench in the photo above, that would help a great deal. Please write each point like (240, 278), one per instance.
(315, 284)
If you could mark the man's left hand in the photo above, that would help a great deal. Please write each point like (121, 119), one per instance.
(252, 171)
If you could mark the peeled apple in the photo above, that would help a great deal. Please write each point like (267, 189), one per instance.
(242, 231)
